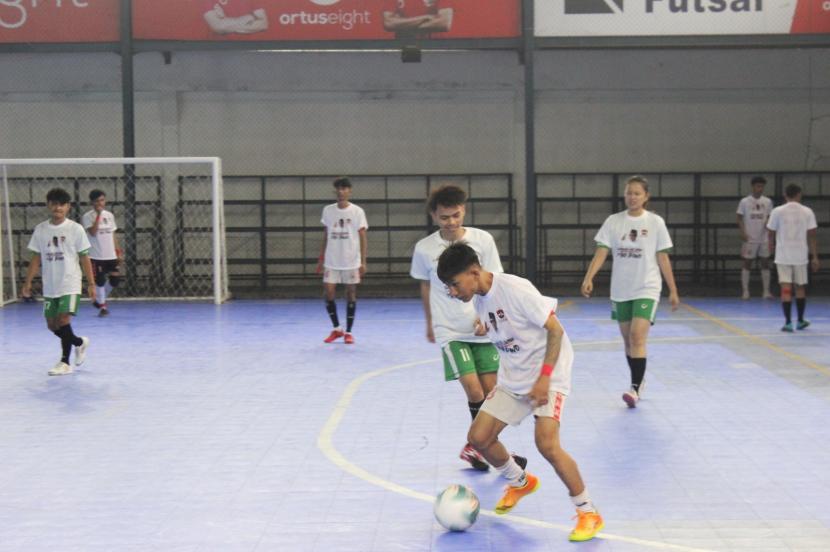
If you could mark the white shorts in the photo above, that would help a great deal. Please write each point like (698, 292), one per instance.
(751, 250)
(334, 276)
(512, 409)
(792, 274)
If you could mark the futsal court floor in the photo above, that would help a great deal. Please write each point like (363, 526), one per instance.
(193, 427)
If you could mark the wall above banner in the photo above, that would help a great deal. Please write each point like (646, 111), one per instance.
(290, 20)
(593, 18)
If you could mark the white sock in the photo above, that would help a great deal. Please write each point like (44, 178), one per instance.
(108, 287)
(513, 472)
(583, 502)
(745, 279)
(765, 280)
(101, 295)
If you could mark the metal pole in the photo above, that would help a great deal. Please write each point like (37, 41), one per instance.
(531, 254)
(128, 143)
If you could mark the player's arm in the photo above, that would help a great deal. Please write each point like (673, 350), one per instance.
(425, 289)
(393, 22)
(220, 24)
(34, 266)
(539, 391)
(600, 255)
(322, 256)
(741, 227)
(771, 238)
(86, 266)
(439, 23)
(812, 242)
(93, 230)
(664, 263)
(260, 22)
(119, 253)
(364, 249)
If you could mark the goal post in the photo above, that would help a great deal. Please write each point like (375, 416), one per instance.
(169, 212)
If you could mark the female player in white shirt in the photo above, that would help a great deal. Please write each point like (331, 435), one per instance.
(640, 244)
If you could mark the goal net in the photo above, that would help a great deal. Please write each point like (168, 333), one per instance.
(169, 214)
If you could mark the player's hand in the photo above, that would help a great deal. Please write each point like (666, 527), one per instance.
(362, 270)
(587, 288)
(814, 264)
(744, 237)
(430, 334)
(90, 291)
(539, 391)
(674, 298)
(481, 328)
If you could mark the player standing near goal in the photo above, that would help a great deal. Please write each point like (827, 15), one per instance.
(640, 244)
(792, 235)
(59, 244)
(534, 377)
(343, 256)
(470, 359)
(753, 212)
(104, 252)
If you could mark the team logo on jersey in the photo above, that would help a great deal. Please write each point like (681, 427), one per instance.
(500, 314)
(632, 235)
(55, 241)
(493, 321)
(340, 223)
(577, 7)
(644, 233)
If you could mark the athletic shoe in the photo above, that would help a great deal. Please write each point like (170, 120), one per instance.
(768, 295)
(103, 312)
(520, 460)
(60, 369)
(631, 397)
(588, 524)
(512, 495)
(80, 351)
(788, 327)
(476, 460)
(745, 295)
(802, 324)
(335, 334)
(348, 338)
(96, 304)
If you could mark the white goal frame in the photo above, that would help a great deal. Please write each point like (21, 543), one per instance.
(220, 277)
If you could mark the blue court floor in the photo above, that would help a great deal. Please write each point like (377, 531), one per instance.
(193, 427)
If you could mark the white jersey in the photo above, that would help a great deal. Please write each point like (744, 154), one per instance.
(103, 243)
(59, 247)
(452, 320)
(634, 243)
(515, 313)
(755, 213)
(343, 236)
(791, 222)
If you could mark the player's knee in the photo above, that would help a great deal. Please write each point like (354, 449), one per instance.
(786, 292)
(115, 279)
(100, 279)
(480, 438)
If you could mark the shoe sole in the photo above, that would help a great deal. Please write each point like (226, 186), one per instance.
(503, 510)
(591, 536)
(629, 400)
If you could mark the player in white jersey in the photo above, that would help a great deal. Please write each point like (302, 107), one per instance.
(342, 256)
(470, 359)
(640, 244)
(59, 245)
(753, 212)
(105, 254)
(792, 235)
(534, 377)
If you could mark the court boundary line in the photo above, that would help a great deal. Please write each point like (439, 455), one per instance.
(326, 445)
(760, 341)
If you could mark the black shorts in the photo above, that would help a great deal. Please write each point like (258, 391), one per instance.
(104, 267)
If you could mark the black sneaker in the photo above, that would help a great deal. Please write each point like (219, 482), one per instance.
(520, 460)
(96, 304)
(103, 312)
(476, 460)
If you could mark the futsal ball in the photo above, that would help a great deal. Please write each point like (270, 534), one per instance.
(456, 507)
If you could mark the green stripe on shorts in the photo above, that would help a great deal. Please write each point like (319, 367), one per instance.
(625, 311)
(462, 358)
(54, 306)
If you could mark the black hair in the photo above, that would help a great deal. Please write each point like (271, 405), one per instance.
(342, 182)
(58, 195)
(446, 196)
(95, 194)
(456, 259)
(758, 180)
(792, 190)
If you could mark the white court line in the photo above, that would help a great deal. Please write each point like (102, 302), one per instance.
(673, 320)
(326, 445)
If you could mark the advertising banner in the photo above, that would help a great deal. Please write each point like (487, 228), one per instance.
(58, 21)
(590, 18)
(270, 20)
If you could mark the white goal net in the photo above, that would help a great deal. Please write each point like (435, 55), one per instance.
(169, 213)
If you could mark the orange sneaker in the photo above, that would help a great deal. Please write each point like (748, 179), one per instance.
(588, 525)
(349, 339)
(335, 334)
(512, 495)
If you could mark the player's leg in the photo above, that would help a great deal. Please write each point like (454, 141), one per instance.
(746, 269)
(800, 281)
(459, 364)
(785, 281)
(351, 305)
(100, 280)
(642, 317)
(59, 318)
(589, 521)
(763, 260)
(113, 278)
(330, 280)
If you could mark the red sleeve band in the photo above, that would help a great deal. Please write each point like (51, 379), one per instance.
(547, 369)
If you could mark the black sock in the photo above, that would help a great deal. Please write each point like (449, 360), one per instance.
(68, 339)
(638, 371)
(800, 303)
(350, 308)
(331, 307)
(788, 307)
(474, 408)
(66, 347)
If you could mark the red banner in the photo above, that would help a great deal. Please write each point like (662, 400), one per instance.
(323, 19)
(812, 16)
(59, 21)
